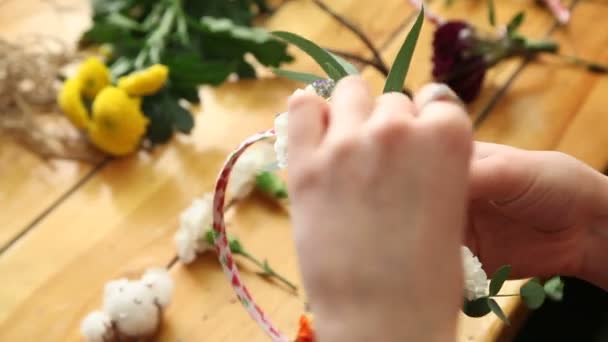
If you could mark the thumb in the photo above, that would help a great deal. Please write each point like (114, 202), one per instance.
(501, 179)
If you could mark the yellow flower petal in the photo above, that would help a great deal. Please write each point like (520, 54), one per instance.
(145, 82)
(70, 102)
(118, 123)
(94, 76)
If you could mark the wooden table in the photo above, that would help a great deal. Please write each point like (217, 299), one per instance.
(67, 228)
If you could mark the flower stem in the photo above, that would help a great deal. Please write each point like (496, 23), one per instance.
(541, 46)
(267, 270)
(591, 66)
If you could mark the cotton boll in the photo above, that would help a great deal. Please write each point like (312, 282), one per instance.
(186, 245)
(133, 309)
(195, 221)
(114, 288)
(96, 327)
(160, 283)
(475, 278)
(246, 169)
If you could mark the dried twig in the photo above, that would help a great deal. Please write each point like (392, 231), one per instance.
(378, 61)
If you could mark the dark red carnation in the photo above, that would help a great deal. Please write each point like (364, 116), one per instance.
(455, 61)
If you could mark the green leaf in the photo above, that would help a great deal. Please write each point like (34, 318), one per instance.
(245, 70)
(235, 246)
(350, 69)
(189, 69)
(325, 60)
(476, 308)
(533, 294)
(296, 76)
(271, 184)
(498, 279)
(515, 23)
(491, 13)
(398, 73)
(554, 288)
(166, 115)
(498, 311)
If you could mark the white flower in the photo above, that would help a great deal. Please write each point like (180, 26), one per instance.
(160, 283)
(246, 169)
(96, 327)
(475, 278)
(195, 221)
(280, 144)
(280, 128)
(131, 306)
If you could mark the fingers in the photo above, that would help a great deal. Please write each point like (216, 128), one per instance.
(485, 149)
(307, 124)
(392, 109)
(351, 105)
(435, 92)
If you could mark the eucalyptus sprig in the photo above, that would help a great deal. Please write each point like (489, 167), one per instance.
(532, 293)
(236, 247)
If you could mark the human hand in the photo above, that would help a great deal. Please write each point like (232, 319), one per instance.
(378, 195)
(540, 212)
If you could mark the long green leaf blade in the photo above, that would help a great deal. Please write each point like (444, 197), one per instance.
(398, 73)
(329, 64)
(491, 13)
(350, 69)
(296, 76)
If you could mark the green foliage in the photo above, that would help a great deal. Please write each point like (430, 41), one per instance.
(202, 42)
(491, 13)
(498, 279)
(271, 184)
(498, 311)
(326, 60)
(296, 76)
(476, 308)
(166, 116)
(554, 288)
(515, 23)
(533, 294)
(398, 73)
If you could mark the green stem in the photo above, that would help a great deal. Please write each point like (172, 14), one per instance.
(267, 270)
(591, 66)
(541, 46)
(505, 295)
(182, 24)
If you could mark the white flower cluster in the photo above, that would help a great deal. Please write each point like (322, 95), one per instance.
(195, 221)
(244, 173)
(131, 308)
(475, 278)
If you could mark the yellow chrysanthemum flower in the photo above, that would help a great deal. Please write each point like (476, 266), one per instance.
(94, 76)
(145, 82)
(70, 102)
(118, 124)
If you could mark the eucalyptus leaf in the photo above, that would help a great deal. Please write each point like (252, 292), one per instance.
(515, 23)
(398, 73)
(533, 294)
(296, 76)
(476, 308)
(498, 279)
(497, 310)
(554, 288)
(325, 60)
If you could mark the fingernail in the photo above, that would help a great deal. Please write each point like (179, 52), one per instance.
(435, 92)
